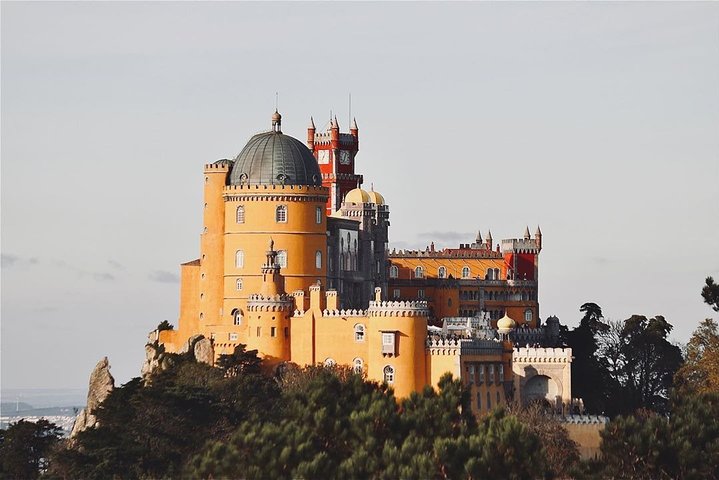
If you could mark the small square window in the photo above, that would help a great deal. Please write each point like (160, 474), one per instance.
(273, 331)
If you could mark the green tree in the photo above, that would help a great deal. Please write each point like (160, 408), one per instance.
(710, 293)
(25, 448)
(590, 380)
(165, 325)
(650, 362)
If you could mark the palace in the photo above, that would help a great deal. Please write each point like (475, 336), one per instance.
(295, 262)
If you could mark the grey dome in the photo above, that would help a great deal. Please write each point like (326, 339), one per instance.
(272, 158)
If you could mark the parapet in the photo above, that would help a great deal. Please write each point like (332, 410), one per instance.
(417, 308)
(520, 245)
(542, 355)
(344, 313)
(272, 303)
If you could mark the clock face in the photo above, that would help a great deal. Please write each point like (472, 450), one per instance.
(323, 156)
(345, 157)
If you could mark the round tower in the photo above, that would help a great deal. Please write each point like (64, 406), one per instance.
(274, 190)
(397, 343)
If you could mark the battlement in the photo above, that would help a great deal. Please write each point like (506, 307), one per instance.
(262, 188)
(520, 245)
(542, 355)
(417, 308)
(273, 303)
(344, 313)
(220, 166)
(429, 252)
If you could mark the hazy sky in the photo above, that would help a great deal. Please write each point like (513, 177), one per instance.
(598, 121)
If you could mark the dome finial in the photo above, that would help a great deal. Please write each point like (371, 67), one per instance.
(277, 122)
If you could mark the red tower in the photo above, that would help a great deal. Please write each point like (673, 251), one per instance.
(335, 153)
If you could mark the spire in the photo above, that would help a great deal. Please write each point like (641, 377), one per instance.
(538, 233)
(312, 123)
(479, 237)
(354, 124)
(526, 233)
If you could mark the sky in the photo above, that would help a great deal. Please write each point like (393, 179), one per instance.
(597, 121)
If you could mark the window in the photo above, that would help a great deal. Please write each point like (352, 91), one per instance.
(236, 317)
(470, 373)
(273, 331)
(259, 331)
(419, 272)
(527, 316)
(240, 215)
(420, 293)
(329, 362)
(491, 373)
(490, 274)
(318, 259)
(500, 373)
(239, 259)
(496, 273)
(388, 374)
(281, 259)
(442, 272)
(481, 374)
(233, 337)
(479, 401)
(281, 214)
(465, 272)
(388, 343)
(357, 365)
(393, 271)
(395, 293)
(239, 284)
(318, 215)
(359, 333)
(287, 332)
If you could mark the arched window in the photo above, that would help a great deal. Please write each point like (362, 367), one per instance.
(490, 274)
(318, 259)
(388, 374)
(281, 214)
(442, 272)
(281, 259)
(527, 315)
(239, 259)
(393, 271)
(359, 333)
(357, 366)
(329, 362)
(236, 316)
(318, 215)
(449, 302)
(496, 274)
(240, 216)
(465, 272)
(419, 272)
(239, 284)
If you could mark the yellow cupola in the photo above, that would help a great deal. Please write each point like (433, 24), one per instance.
(357, 195)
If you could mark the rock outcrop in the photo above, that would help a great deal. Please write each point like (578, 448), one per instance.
(101, 384)
(156, 359)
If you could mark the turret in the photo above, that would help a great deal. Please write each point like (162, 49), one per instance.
(527, 236)
(272, 281)
(335, 133)
(489, 239)
(354, 131)
(311, 135)
(538, 236)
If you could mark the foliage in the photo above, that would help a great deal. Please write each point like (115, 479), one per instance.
(164, 325)
(710, 293)
(149, 429)
(589, 377)
(25, 448)
(650, 446)
(700, 372)
(335, 425)
(560, 452)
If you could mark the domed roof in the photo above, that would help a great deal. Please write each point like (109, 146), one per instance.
(357, 196)
(375, 197)
(505, 324)
(272, 158)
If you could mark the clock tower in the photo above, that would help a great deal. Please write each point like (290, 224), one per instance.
(335, 153)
